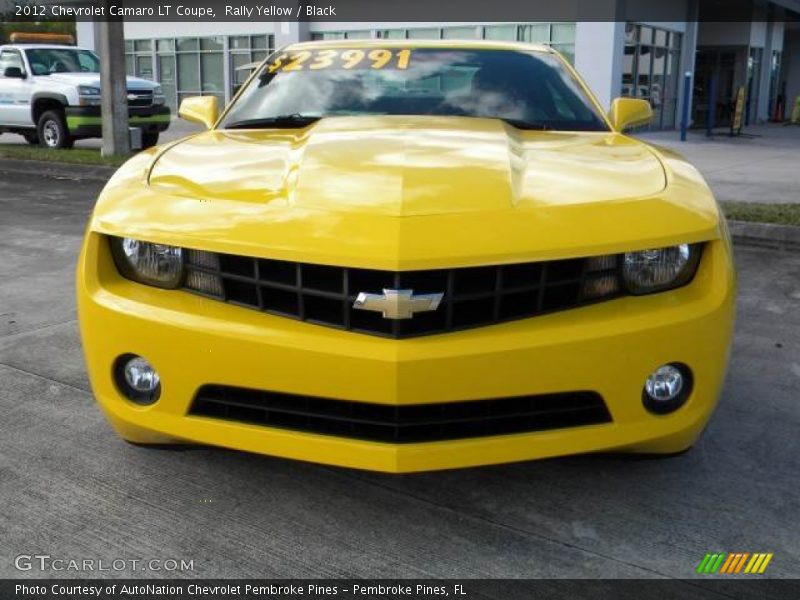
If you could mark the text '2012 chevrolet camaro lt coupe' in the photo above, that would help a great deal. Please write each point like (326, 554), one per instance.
(407, 256)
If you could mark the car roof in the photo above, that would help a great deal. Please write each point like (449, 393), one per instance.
(400, 43)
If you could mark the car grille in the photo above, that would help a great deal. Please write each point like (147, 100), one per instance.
(473, 296)
(142, 98)
(401, 424)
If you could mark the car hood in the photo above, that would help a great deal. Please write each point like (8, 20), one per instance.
(406, 166)
(408, 193)
(93, 79)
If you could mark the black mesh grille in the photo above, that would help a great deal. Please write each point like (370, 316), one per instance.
(401, 424)
(473, 296)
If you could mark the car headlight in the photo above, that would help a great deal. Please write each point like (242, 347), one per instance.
(659, 269)
(88, 90)
(152, 264)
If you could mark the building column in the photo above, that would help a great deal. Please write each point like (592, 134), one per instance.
(687, 62)
(599, 53)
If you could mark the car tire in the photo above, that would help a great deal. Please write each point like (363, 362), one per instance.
(32, 138)
(149, 140)
(52, 131)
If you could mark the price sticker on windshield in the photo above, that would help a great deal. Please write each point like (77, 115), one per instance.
(346, 59)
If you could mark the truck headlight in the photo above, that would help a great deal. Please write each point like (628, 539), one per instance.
(88, 95)
(660, 269)
(158, 95)
(152, 264)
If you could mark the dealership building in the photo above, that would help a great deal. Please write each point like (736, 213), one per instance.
(656, 61)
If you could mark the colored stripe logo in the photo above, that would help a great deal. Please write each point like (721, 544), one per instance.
(734, 563)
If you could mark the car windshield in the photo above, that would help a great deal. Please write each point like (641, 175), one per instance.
(530, 90)
(44, 61)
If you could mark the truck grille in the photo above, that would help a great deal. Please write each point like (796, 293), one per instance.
(140, 98)
(401, 424)
(473, 296)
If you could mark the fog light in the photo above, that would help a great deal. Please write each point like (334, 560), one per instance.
(667, 388)
(137, 379)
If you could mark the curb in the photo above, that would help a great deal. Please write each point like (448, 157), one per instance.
(57, 170)
(765, 235)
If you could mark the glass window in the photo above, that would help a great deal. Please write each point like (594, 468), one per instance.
(392, 34)
(10, 58)
(211, 43)
(143, 45)
(563, 33)
(165, 45)
(187, 44)
(358, 35)
(259, 42)
(459, 33)
(238, 42)
(650, 70)
(213, 77)
(166, 77)
(631, 33)
(45, 61)
(129, 67)
(189, 72)
(428, 33)
(538, 33)
(529, 90)
(144, 67)
(500, 32)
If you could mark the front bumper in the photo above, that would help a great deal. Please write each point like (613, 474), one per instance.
(609, 348)
(86, 121)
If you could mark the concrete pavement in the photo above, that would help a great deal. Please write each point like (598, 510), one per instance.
(70, 488)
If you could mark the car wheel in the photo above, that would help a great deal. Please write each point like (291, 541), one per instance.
(53, 132)
(31, 138)
(149, 140)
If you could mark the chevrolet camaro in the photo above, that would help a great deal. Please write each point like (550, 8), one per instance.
(406, 256)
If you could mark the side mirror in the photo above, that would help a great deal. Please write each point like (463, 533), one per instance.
(200, 109)
(629, 112)
(13, 73)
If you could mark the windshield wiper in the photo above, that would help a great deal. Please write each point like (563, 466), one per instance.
(292, 121)
(530, 125)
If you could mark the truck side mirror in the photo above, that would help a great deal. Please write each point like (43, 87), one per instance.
(13, 73)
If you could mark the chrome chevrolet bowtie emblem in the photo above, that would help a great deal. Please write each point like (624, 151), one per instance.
(398, 304)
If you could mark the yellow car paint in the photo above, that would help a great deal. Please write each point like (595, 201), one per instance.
(403, 193)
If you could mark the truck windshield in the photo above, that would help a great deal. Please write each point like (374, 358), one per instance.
(44, 61)
(529, 90)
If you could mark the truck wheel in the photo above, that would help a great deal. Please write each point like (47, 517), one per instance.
(149, 140)
(53, 132)
(31, 138)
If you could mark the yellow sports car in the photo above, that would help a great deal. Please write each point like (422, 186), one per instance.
(406, 256)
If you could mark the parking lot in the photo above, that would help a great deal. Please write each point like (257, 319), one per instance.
(72, 489)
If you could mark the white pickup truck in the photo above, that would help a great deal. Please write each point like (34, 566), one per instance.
(50, 94)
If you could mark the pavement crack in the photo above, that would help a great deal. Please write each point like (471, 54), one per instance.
(45, 378)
